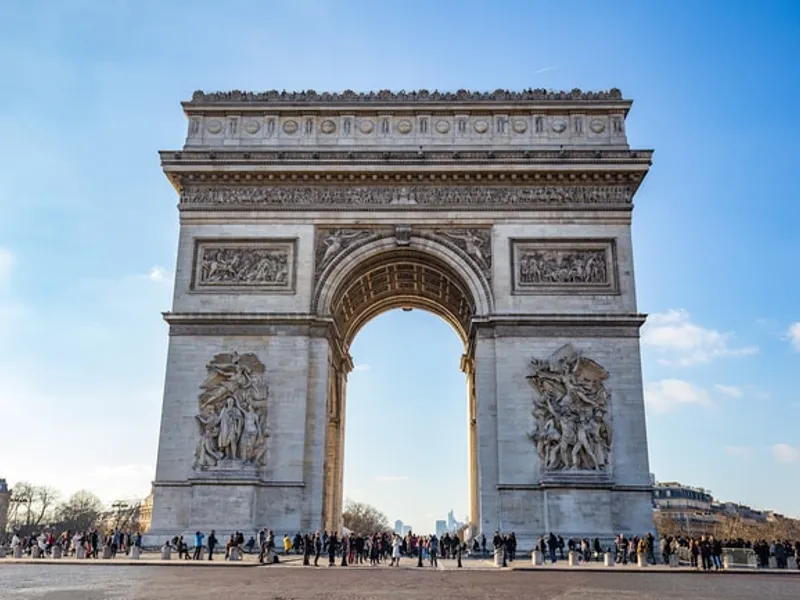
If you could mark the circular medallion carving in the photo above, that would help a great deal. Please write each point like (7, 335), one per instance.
(481, 126)
(442, 126)
(290, 126)
(520, 126)
(597, 125)
(559, 125)
(403, 126)
(214, 126)
(366, 126)
(327, 126)
(252, 127)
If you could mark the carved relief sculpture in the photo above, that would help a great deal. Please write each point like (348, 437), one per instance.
(233, 412)
(455, 196)
(571, 423)
(243, 265)
(332, 242)
(557, 266)
(477, 243)
(563, 266)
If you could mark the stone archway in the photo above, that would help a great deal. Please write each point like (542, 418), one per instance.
(303, 215)
(409, 272)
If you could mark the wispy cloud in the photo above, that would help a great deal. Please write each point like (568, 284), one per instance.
(361, 368)
(786, 453)
(669, 394)
(546, 69)
(680, 342)
(794, 335)
(391, 478)
(158, 274)
(729, 390)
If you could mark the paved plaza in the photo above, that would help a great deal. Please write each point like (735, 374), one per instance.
(114, 581)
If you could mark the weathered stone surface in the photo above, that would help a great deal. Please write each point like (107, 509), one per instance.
(285, 260)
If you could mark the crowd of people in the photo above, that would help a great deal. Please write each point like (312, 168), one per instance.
(82, 544)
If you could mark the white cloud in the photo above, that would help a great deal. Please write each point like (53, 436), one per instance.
(546, 69)
(739, 450)
(729, 390)
(361, 368)
(391, 478)
(158, 274)
(681, 342)
(668, 394)
(121, 482)
(786, 453)
(6, 266)
(794, 335)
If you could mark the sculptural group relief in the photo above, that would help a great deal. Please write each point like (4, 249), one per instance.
(412, 197)
(252, 264)
(232, 414)
(571, 429)
(545, 266)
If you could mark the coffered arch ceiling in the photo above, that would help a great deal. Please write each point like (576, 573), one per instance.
(402, 278)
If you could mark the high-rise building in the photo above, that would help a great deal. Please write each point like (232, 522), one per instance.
(452, 523)
(406, 530)
(441, 528)
(398, 527)
(5, 498)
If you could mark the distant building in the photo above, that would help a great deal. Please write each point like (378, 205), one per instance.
(441, 528)
(406, 530)
(690, 507)
(398, 527)
(5, 497)
(146, 513)
(452, 523)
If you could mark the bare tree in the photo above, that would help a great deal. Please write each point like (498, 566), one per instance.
(81, 512)
(32, 506)
(363, 518)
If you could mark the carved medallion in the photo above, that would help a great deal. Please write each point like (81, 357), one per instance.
(252, 127)
(214, 126)
(290, 126)
(257, 265)
(571, 430)
(232, 414)
(327, 127)
(564, 266)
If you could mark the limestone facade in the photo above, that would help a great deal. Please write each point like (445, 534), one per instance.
(302, 216)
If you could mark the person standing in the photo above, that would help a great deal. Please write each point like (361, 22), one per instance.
(333, 542)
(212, 542)
(198, 545)
(433, 549)
(317, 548)
(396, 543)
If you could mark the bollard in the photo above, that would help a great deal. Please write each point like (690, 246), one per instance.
(674, 561)
(107, 551)
(773, 562)
(537, 558)
(608, 559)
(17, 551)
(57, 551)
(80, 552)
(498, 557)
(234, 554)
(36, 552)
(573, 559)
(2, 551)
(641, 560)
(135, 552)
(166, 552)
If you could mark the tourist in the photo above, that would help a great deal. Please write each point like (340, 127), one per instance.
(212, 543)
(198, 545)
(397, 542)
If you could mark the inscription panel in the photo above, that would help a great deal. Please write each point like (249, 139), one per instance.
(261, 265)
(564, 266)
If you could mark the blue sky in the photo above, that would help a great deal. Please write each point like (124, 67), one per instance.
(91, 90)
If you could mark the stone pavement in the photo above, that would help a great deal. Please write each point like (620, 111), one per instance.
(122, 582)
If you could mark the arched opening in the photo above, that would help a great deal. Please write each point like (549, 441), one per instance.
(406, 444)
(365, 286)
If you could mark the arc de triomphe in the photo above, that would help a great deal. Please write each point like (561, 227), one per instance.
(304, 215)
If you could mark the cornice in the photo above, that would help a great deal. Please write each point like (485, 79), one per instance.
(414, 97)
